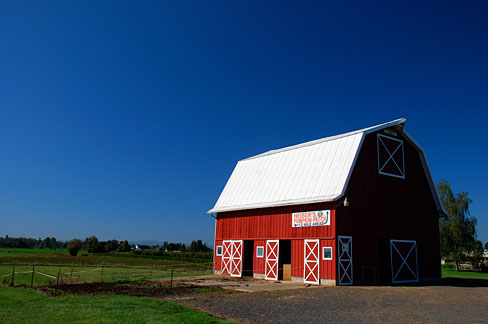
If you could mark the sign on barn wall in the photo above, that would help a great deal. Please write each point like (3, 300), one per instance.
(311, 218)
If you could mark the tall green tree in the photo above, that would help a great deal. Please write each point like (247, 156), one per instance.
(458, 230)
(91, 244)
(74, 246)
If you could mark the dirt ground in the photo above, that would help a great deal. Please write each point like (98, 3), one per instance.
(245, 300)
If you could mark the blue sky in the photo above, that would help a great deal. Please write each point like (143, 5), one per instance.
(124, 119)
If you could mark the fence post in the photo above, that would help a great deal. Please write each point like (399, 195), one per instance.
(71, 276)
(57, 282)
(172, 270)
(102, 271)
(13, 276)
(32, 278)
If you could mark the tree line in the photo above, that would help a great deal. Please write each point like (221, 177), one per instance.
(93, 245)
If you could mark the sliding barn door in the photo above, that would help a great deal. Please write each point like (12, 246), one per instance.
(272, 252)
(311, 262)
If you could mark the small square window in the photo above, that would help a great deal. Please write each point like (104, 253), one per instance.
(327, 253)
(260, 251)
(219, 250)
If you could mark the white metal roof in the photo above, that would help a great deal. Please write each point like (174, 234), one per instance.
(316, 171)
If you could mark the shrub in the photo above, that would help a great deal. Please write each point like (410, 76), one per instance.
(73, 247)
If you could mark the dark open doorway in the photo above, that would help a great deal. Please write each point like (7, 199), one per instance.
(284, 265)
(248, 257)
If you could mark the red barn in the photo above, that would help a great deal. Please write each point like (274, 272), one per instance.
(352, 208)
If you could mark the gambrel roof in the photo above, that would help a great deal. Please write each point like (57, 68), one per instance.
(312, 172)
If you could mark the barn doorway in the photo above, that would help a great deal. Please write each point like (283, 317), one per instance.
(284, 263)
(248, 258)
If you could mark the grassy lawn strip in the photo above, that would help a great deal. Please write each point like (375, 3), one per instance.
(21, 305)
(463, 274)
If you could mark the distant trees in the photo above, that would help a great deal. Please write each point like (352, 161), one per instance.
(26, 243)
(458, 230)
(93, 245)
(125, 246)
(198, 246)
(74, 246)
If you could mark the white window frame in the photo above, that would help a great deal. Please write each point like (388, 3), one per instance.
(262, 252)
(380, 167)
(217, 250)
(323, 252)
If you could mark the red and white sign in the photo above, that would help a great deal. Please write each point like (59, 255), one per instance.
(311, 218)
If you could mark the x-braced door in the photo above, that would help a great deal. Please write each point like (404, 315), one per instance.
(311, 264)
(272, 252)
(226, 256)
(236, 259)
(403, 261)
(344, 250)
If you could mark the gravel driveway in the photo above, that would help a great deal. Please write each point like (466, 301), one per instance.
(445, 303)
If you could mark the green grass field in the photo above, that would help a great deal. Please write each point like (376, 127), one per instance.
(21, 305)
(448, 272)
(12, 251)
(88, 268)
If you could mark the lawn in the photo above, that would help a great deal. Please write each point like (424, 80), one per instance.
(89, 268)
(448, 272)
(14, 251)
(22, 305)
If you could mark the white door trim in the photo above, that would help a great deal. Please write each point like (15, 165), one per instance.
(236, 255)
(226, 260)
(271, 265)
(311, 261)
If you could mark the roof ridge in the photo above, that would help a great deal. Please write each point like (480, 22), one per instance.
(366, 130)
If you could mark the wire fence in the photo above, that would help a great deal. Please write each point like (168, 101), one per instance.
(40, 275)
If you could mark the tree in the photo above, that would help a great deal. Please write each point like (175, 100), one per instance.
(124, 246)
(74, 246)
(458, 230)
(91, 244)
(110, 246)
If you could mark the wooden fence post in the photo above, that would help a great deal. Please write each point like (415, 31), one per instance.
(13, 276)
(172, 270)
(57, 282)
(32, 278)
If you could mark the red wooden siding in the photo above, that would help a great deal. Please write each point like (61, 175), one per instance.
(217, 258)
(384, 207)
(328, 267)
(271, 223)
(258, 263)
(297, 258)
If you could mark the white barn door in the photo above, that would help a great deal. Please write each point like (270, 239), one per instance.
(226, 256)
(272, 253)
(344, 251)
(236, 259)
(311, 272)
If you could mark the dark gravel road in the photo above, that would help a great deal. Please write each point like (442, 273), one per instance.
(424, 304)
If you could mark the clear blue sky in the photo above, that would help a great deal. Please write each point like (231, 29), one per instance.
(124, 119)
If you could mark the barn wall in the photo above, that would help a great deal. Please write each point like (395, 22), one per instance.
(258, 264)
(297, 258)
(217, 258)
(275, 223)
(384, 207)
(328, 267)
(271, 223)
